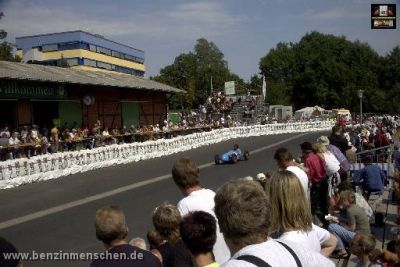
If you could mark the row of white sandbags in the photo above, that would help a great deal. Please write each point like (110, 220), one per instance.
(50, 166)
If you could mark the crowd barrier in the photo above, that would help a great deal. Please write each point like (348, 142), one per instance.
(50, 166)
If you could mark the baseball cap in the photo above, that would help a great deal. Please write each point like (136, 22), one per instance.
(261, 176)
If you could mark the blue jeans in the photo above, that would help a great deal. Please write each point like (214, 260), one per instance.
(344, 236)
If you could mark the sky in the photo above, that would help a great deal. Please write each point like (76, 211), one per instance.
(244, 30)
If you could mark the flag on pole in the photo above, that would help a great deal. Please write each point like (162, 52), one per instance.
(264, 88)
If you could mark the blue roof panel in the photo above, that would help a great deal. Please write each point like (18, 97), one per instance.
(27, 42)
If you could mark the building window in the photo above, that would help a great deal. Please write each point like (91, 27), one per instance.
(48, 48)
(72, 62)
(92, 48)
(103, 65)
(117, 54)
(103, 50)
(134, 59)
(69, 46)
(89, 62)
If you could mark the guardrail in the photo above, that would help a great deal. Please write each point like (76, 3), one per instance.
(50, 166)
(380, 154)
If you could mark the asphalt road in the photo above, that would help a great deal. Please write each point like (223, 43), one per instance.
(57, 215)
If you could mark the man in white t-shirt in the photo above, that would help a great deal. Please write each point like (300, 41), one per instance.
(285, 161)
(243, 214)
(186, 176)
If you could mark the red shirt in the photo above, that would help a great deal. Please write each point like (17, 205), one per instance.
(316, 167)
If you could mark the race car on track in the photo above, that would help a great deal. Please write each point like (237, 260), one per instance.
(232, 156)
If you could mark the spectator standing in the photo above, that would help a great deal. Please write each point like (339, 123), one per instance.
(319, 184)
(4, 140)
(337, 139)
(344, 163)
(166, 220)
(396, 157)
(155, 241)
(332, 167)
(285, 161)
(5, 131)
(291, 218)
(111, 229)
(186, 176)
(198, 232)
(243, 213)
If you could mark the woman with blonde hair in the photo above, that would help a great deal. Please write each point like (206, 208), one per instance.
(332, 167)
(290, 215)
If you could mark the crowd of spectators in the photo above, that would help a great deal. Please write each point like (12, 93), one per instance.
(218, 103)
(35, 140)
(301, 215)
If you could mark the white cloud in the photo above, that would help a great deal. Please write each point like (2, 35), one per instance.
(181, 22)
(331, 14)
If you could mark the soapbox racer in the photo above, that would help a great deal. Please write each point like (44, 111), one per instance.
(232, 156)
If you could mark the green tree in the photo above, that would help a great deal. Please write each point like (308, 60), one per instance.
(390, 80)
(325, 70)
(194, 72)
(210, 63)
(6, 49)
(278, 68)
(255, 84)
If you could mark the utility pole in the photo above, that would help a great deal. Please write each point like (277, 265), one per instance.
(360, 95)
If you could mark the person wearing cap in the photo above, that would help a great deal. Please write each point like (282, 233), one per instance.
(319, 184)
(344, 163)
(263, 178)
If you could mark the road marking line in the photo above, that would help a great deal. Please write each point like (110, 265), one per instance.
(72, 204)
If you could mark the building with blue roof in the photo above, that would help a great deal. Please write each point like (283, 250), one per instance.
(81, 50)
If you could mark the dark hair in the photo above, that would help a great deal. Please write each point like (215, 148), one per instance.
(336, 129)
(283, 154)
(306, 146)
(7, 247)
(154, 238)
(198, 232)
(344, 185)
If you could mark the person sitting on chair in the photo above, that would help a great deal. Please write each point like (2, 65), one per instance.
(371, 178)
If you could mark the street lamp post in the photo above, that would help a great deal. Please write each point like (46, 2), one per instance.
(360, 95)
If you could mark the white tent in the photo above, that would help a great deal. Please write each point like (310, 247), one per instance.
(308, 112)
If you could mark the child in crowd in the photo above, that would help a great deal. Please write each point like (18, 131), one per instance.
(362, 246)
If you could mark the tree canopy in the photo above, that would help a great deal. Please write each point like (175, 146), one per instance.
(328, 70)
(195, 72)
(6, 50)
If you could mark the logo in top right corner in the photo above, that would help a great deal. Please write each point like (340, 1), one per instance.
(383, 16)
